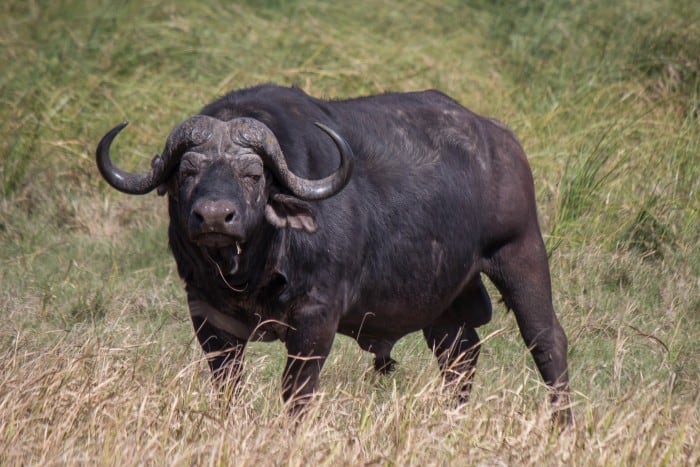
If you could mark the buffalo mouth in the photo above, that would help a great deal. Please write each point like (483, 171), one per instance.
(225, 254)
(219, 240)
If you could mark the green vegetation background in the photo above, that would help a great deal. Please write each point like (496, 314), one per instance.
(605, 97)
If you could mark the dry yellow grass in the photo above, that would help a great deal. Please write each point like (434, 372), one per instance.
(100, 404)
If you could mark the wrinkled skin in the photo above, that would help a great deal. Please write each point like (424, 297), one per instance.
(438, 197)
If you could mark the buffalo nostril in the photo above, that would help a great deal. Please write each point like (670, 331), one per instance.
(214, 215)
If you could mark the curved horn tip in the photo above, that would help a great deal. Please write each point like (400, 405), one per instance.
(325, 128)
(106, 140)
(126, 182)
(120, 126)
(335, 136)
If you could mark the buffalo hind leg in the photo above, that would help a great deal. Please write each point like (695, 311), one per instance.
(520, 271)
(381, 348)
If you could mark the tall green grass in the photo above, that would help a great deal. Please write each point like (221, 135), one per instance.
(97, 359)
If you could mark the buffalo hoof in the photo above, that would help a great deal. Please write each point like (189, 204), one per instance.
(562, 420)
(384, 365)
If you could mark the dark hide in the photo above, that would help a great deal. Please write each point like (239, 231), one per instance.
(438, 196)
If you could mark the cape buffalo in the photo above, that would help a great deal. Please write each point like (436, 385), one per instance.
(296, 218)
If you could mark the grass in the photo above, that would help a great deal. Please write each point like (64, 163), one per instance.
(97, 359)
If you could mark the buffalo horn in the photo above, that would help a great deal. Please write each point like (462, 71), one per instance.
(255, 134)
(189, 133)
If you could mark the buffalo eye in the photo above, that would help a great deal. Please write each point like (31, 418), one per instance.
(253, 178)
(249, 169)
(252, 174)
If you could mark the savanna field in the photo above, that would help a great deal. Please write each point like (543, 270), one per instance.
(98, 360)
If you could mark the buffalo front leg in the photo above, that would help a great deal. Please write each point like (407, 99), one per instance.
(224, 351)
(309, 341)
(454, 340)
(521, 273)
(457, 350)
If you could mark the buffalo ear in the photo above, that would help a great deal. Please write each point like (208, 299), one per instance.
(287, 211)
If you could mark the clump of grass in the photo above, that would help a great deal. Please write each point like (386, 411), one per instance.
(585, 174)
(646, 234)
(14, 167)
(666, 55)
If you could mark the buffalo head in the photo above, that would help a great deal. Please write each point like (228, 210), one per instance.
(215, 172)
